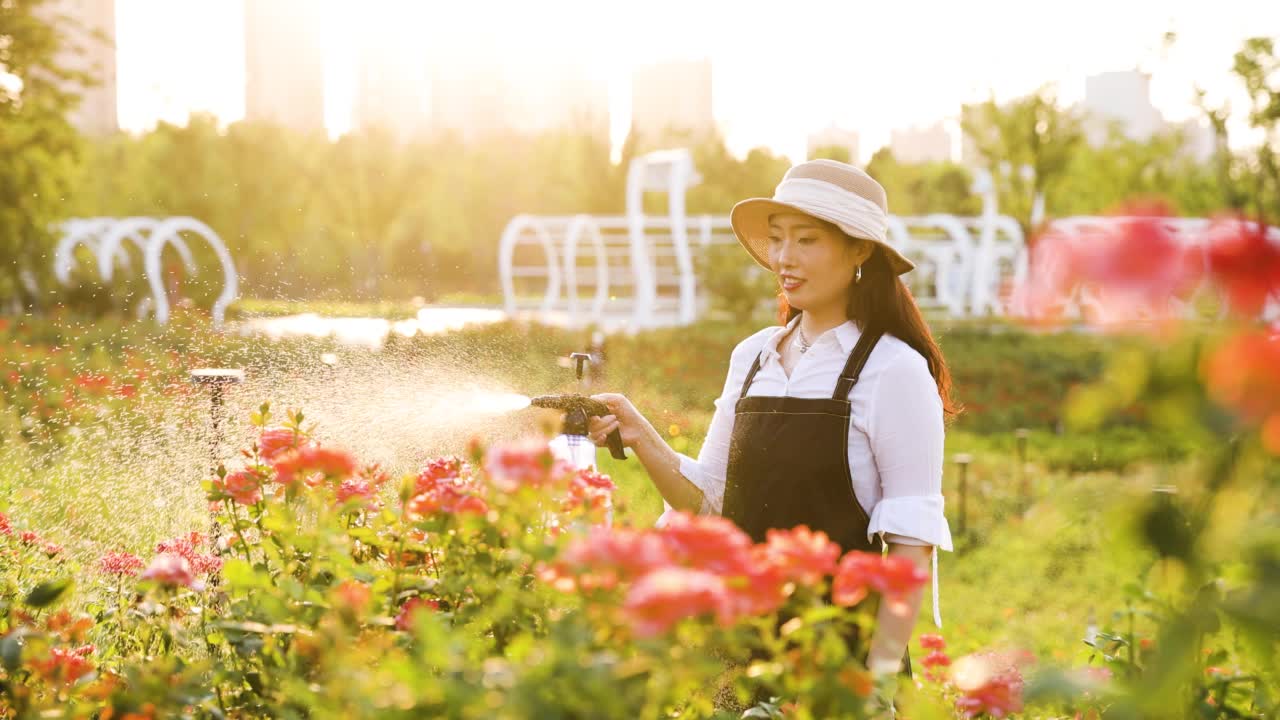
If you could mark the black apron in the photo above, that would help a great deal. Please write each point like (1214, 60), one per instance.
(789, 465)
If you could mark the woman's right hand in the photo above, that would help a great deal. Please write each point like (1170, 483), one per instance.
(623, 417)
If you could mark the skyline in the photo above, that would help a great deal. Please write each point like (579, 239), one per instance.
(773, 74)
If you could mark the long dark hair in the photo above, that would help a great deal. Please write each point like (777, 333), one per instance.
(881, 301)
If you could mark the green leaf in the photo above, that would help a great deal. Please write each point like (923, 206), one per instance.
(10, 652)
(47, 593)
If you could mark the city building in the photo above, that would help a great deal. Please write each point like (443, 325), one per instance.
(482, 97)
(922, 144)
(90, 46)
(392, 84)
(284, 64)
(1122, 100)
(672, 99)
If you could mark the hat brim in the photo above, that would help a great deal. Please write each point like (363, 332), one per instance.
(750, 221)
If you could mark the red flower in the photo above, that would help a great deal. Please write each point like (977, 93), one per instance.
(892, 576)
(313, 465)
(242, 486)
(120, 563)
(415, 605)
(71, 628)
(185, 546)
(805, 556)
(1245, 262)
(29, 538)
(935, 659)
(64, 665)
(932, 641)
(666, 596)
(447, 498)
(173, 570)
(93, 382)
(1244, 374)
(440, 470)
(275, 440)
(52, 550)
(590, 488)
(352, 596)
(5, 527)
(709, 542)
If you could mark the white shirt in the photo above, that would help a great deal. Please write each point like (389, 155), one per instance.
(895, 432)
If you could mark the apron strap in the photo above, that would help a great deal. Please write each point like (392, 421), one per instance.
(857, 360)
(751, 375)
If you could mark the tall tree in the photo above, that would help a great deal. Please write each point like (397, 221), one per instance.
(39, 148)
(1258, 68)
(1031, 131)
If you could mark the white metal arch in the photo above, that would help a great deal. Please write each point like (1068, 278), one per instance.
(134, 229)
(75, 233)
(168, 233)
(580, 225)
(511, 236)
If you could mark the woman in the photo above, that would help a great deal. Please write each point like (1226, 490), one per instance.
(834, 420)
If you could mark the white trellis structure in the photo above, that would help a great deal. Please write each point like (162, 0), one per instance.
(108, 240)
(637, 270)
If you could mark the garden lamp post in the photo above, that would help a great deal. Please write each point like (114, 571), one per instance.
(1020, 442)
(962, 460)
(217, 380)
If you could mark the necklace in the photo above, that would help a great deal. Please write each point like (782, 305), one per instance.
(804, 342)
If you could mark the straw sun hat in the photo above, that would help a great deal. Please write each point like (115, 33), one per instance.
(833, 191)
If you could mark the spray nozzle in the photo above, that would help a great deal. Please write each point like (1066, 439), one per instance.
(577, 410)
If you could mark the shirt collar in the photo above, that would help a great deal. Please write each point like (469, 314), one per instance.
(847, 334)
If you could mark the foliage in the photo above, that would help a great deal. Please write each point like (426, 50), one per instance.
(924, 188)
(1030, 131)
(38, 146)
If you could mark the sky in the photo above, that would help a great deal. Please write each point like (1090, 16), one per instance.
(780, 70)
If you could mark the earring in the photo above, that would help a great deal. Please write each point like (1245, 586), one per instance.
(857, 276)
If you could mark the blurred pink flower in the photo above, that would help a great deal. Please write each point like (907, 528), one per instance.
(1244, 262)
(663, 597)
(355, 489)
(172, 569)
(990, 682)
(525, 464)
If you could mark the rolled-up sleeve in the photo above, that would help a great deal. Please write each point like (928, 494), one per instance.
(905, 430)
